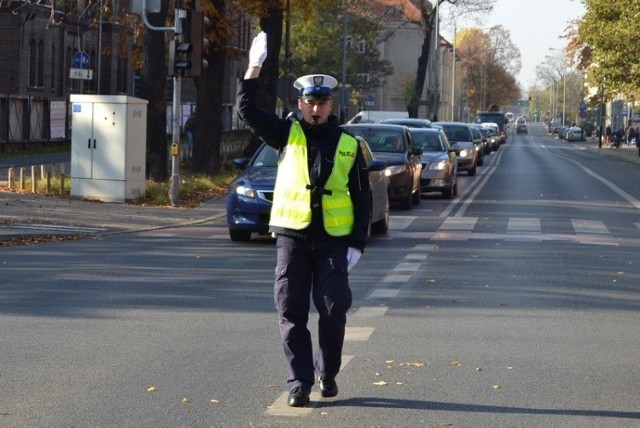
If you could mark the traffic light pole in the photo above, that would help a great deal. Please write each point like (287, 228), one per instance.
(174, 182)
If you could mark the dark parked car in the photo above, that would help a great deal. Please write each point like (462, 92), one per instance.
(462, 140)
(394, 144)
(250, 194)
(439, 163)
(410, 122)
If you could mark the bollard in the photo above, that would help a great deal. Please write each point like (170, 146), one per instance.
(21, 178)
(47, 180)
(11, 177)
(34, 179)
(43, 171)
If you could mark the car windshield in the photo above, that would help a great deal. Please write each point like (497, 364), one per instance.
(428, 141)
(457, 133)
(267, 156)
(382, 140)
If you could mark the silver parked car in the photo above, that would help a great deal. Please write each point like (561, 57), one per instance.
(462, 140)
(439, 162)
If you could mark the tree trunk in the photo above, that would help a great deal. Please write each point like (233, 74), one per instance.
(268, 81)
(206, 147)
(153, 87)
(421, 73)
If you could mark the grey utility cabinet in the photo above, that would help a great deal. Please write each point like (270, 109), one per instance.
(108, 147)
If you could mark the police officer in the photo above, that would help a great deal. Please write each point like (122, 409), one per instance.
(320, 217)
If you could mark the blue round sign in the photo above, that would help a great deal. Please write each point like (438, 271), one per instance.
(81, 60)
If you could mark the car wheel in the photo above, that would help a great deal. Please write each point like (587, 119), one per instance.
(239, 235)
(448, 192)
(382, 226)
(417, 196)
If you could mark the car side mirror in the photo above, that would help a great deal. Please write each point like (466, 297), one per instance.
(240, 163)
(377, 165)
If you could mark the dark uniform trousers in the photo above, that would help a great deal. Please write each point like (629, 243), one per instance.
(319, 269)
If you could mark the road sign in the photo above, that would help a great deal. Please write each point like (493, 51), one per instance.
(81, 73)
(81, 60)
(369, 100)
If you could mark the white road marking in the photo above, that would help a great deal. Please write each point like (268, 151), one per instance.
(281, 408)
(524, 225)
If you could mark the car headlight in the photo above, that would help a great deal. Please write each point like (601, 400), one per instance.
(439, 166)
(242, 190)
(394, 169)
(477, 147)
(464, 153)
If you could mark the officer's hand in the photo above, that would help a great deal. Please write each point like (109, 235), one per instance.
(258, 51)
(353, 255)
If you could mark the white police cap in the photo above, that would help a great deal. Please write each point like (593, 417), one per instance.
(315, 86)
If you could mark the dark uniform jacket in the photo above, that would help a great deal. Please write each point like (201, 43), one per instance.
(322, 141)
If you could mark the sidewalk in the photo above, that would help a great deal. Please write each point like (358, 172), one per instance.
(26, 215)
(629, 153)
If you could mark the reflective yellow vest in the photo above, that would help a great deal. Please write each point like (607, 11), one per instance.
(292, 197)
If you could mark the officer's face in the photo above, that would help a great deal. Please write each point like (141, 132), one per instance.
(315, 112)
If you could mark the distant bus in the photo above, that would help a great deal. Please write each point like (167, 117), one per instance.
(498, 117)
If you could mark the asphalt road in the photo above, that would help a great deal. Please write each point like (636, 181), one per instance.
(516, 304)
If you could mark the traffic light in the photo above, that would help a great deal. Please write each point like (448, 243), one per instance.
(182, 57)
(194, 28)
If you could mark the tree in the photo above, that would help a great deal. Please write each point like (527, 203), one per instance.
(610, 31)
(490, 60)
(206, 147)
(150, 60)
(315, 49)
(428, 21)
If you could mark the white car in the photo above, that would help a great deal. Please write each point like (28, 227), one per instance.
(575, 133)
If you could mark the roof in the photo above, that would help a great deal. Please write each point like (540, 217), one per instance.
(392, 9)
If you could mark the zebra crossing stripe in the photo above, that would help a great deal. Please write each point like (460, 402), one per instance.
(590, 227)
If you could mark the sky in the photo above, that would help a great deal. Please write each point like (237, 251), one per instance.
(535, 26)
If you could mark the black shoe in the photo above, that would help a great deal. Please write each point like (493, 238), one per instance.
(298, 397)
(328, 386)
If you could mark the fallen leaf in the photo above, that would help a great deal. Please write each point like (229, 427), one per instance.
(390, 362)
(416, 364)
(214, 401)
(185, 400)
(152, 389)
(399, 383)
(380, 383)
(456, 363)
(495, 386)
(478, 369)
(509, 367)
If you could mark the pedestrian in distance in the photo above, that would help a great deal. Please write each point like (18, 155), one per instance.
(190, 131)
(630, 134)
(607, 136)
(319, 216)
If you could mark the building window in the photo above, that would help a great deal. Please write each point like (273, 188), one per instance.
(36, 64)
(362, 47)
(40, 79)
(349, 40)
